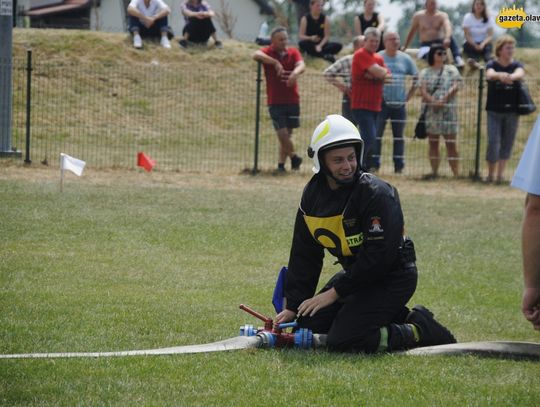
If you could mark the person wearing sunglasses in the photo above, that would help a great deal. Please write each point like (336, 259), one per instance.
(439, 84)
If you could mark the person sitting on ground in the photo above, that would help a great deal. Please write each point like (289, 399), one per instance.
(148, 18)
(433, 26)
(369, 18)
(357, 218)
(478, 29)
(199, 27)
(314, 34)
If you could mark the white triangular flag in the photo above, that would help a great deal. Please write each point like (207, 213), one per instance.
(72, 164)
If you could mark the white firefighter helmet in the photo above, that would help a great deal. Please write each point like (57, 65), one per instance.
(333, 132)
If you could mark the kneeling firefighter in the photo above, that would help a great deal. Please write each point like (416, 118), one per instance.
(357, 217)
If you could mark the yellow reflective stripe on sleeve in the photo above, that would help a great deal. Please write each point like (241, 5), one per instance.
(383, 342)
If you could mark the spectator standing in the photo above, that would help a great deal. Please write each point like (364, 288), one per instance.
(282, 66)
(504, 75)
(478, 29)
(395, 96)
(527, 178)
(439, 84)
(368, 75)
(339, 75)
(199, 26)
(369, 18)
(149, 18)
(314, 33)
(433, 26)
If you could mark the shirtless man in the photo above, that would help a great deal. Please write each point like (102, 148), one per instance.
(433, 26)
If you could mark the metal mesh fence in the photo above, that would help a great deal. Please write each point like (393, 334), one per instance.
(203, 119)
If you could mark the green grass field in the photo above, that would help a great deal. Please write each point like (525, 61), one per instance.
(129, 260)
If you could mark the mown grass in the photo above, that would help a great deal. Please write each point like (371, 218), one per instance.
(127, 260)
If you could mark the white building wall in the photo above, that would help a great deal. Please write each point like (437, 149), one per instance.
(109, 16)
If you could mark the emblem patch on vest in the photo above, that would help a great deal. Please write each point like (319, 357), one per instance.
(376, 225)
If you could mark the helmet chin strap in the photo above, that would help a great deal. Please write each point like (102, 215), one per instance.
(348, 181)
(341, 182)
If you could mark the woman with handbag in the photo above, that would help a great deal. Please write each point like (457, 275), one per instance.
(503, 75)
(439, 84)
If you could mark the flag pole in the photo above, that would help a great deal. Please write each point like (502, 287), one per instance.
(61, 180)
(61, 173)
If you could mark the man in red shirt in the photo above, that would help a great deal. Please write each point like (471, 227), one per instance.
(282, 66)
(368, 75)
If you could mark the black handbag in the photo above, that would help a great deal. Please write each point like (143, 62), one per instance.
(525, 103)
(420, 128)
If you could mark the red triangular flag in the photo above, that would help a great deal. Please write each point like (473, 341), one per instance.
(145, 161)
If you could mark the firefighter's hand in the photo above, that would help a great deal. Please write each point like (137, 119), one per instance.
(284, 316)
(322, 300)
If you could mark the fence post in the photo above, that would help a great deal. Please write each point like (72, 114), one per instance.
(476, 175)
(27, 159)
(257, 119)
(6, 66)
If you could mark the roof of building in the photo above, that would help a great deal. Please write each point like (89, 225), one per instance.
(66, 5)
(69, 5)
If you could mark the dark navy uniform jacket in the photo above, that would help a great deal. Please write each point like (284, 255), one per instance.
(361, 224)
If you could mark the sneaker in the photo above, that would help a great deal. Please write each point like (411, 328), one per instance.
(165, 43)
(431, 332)
(137, 41)
(218, 44)
(183, 43)
(296, 162)
(459, 62)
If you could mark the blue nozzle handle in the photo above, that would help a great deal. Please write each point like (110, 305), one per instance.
(288, 325)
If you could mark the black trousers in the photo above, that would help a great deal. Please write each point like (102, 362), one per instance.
(471, 52)
(353, 323)
(198, 30)
(330, 48)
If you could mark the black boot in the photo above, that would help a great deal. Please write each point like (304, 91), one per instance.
(401, 337)
(431, 332)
